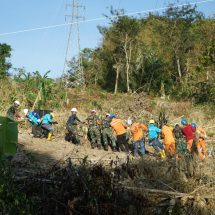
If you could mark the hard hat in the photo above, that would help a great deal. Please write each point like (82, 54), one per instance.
(184, 121)
(112, 116)
(129, 121)
(93, 111)
(17, 103)
(151, 121)
(74, 110)
(107, 114)
(193, 124)
(25, 111)
(52, 114)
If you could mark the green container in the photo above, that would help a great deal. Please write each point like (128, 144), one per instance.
(8, 136)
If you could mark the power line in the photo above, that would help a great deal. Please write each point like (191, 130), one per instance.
(103, 18)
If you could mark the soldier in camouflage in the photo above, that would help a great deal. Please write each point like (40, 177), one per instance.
(184, 161)
(181, 146)
(107, 133)
(72, 126)
(12, 112)
(94, 130)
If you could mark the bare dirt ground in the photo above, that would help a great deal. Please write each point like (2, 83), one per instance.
(46, 153)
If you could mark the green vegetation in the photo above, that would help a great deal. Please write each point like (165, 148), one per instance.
(5, 53)
(172, 53)
(11, 200)
(32, 89)
(169, 54)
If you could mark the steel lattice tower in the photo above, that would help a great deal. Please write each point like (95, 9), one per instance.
(73, 44)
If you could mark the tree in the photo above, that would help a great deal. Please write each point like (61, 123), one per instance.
(175, 28)
(5, 53)
(120, 40)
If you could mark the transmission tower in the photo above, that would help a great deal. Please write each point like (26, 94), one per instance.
(73, 49)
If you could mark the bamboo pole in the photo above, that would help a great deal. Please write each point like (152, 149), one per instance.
(37, 98)
(176, 118)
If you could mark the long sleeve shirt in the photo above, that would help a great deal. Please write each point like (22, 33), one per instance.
(167, 133)
(153, 131)
(73, 120)
(137, 131)
(189, 132)
(47, 119)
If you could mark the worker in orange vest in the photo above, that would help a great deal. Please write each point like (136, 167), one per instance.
(200, 137)
(138, 136)
(169, 140)
(120, 130)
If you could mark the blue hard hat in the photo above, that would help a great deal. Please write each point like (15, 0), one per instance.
(112, 116)
(184, 121)
(193, 124)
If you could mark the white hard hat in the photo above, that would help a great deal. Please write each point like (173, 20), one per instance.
(74, 110)
(17, 102)
(107, 114)
(93, 111)
(129, 122)
(25, 111)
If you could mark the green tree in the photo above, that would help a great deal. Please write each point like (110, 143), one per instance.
(120, 39)
(5, 53)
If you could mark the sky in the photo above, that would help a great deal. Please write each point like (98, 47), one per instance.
(45, 49)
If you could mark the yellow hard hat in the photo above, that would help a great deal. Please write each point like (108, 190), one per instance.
(151, 121)
(52, 114)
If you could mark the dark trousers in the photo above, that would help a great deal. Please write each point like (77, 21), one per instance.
(122, 143)
(141, 144)
(156, 144)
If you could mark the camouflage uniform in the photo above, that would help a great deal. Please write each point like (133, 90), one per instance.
(12, 112)
(181, 146)
(107, 133)
(72, 127)
(94, 131)
(184, 162)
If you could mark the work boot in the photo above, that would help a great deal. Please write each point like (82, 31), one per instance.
(163, 155)
(49, 137)
(106, 148)
(93, 145)
(114, 149)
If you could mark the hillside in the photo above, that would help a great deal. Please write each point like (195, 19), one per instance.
(149, 184)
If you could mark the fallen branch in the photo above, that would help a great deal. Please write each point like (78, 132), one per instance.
(171, 193)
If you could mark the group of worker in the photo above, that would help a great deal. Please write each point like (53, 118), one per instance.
(178, 141)
(33, 118)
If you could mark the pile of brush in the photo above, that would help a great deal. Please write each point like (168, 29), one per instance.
(143, 187)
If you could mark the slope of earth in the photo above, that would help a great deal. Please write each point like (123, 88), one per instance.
(74, 179)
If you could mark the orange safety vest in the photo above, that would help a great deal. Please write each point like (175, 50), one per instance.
(137, 131)
(201, 132)
(118, 126)
(167, 133)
